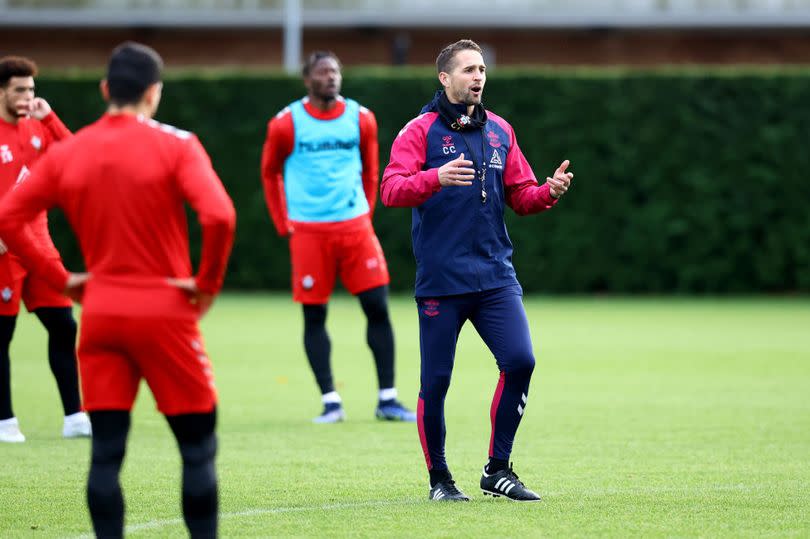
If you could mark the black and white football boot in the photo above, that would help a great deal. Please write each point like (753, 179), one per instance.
(446, 491)
(506, 483)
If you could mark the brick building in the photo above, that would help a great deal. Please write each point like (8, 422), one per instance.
(251, 33)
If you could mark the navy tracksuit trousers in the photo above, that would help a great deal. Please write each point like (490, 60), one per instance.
(500, 319)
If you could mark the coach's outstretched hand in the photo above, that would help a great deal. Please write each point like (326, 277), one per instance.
(456, 172)
(74, 289)
(559, 184)
(202, 300)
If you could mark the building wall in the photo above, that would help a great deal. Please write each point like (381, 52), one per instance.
(57, 47)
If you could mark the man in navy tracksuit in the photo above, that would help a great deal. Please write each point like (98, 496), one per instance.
(457, 165)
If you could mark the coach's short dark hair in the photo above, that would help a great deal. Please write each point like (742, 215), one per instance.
(16, 66)
(444, 62)
(316, 57)
(132, 69)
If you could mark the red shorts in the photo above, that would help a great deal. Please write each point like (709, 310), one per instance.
(115, 352)
(17, 284)
(321, 251)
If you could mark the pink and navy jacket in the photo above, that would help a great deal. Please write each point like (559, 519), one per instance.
(459, 238)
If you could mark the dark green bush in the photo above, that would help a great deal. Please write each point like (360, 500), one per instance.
(685, 182)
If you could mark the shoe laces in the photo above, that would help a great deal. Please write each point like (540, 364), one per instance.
(512, 474)
(451, 488)
(393, 403)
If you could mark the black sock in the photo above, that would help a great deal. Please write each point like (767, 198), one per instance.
(437, 476)
(62, 354)
(104, 497)
(379, 334)
(198, 447)
(496, 465)
(317, 346)
(7, 324)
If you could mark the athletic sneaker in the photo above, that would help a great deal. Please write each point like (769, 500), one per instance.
(393, 410)
(506, 483)
(332, 413)
(77, 426)
(10, 431)
(446, 491)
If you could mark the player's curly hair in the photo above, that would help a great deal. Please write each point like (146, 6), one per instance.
(444, 62)
(316, 57)
(16, 66)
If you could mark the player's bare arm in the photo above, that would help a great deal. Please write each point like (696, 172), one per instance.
(456, 172)
(559, 184)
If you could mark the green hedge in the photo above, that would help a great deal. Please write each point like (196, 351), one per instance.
(685, 182)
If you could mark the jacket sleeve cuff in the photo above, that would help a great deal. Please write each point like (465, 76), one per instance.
(546, 193)
(433, 180)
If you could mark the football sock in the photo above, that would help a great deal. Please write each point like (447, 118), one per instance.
(7, 324)
(317, 346)
(437, 476)
(62, 353)
(198, 447)
(104, 497)
(379, 334)
(388, 394)
(496, 465)
(333, 397)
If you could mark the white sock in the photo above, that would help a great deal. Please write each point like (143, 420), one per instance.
(331, 398)
(388, 394)
(9, 421)
(75, 417)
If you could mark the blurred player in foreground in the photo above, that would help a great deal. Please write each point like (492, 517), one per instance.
(122, 183)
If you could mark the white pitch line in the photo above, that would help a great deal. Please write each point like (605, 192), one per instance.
(156, 524)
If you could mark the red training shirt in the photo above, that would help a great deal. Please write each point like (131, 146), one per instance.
(122, 183)
(21, 144)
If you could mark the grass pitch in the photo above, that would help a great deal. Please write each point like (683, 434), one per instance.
(648, 418)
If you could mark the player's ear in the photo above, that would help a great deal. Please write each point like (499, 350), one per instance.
(157, 90)
(444, 78)
(104, 88)
(152, 96)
